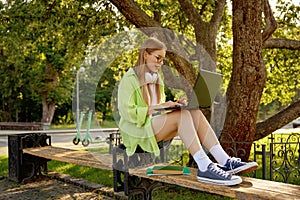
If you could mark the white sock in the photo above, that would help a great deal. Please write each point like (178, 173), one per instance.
(219, 154)
(202, 160)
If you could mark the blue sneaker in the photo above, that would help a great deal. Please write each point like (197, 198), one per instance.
(236, 166)
(215, 175)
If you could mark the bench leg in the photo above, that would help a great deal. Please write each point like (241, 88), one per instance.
(141, 188)
(33, 167)
(23, 166)
(134, 187)
(117, 179)
(117, 172)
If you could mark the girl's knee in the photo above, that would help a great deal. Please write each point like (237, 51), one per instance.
(186, 114)
(198, 112)
(183, 115)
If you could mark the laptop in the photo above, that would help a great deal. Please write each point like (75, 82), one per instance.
(204, 91)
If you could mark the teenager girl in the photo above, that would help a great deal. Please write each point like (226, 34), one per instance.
(141, 92)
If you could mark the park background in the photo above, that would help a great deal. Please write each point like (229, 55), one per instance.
(254, 44)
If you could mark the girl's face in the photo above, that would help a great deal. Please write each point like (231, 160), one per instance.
(154, 60)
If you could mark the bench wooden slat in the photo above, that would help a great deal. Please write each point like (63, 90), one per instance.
(274, 187)
(79, 157)
(250, 188)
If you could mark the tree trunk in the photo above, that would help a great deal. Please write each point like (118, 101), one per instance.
(48, 110)
(247, 80)
(51, 80)
(10, 110)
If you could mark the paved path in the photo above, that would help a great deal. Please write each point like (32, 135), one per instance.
(48, 189)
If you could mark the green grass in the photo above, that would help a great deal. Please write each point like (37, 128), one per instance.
(105, 124)
(63, 126)
(103, 177)
(3, 165)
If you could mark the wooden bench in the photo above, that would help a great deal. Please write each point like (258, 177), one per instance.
(250, 188)
(23, 126)
(29, 152)
(78, 157)
(130, 176)
(135, 181)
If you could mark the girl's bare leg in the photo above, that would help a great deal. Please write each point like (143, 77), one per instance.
(208, 137)
(191, 126)
(206, 134)
(181, 122)
(167, 126)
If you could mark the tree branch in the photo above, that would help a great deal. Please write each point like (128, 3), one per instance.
(203, 9)
(281, 43)
(271, 23)
(140, 19)
(205, 32)
(134, 14)
(195, 17)
(277, 121)
(218, 13)
(191, 12)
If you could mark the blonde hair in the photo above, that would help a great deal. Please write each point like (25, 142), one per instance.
(151, 44)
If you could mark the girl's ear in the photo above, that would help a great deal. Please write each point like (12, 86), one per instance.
(145, 54)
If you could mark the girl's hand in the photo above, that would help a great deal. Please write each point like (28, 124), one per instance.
(151, 109)
(170, 104)
(183, 101)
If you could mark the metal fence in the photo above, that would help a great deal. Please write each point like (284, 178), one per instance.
(278, 156)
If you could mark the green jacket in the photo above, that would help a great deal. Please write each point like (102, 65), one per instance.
(135, 124)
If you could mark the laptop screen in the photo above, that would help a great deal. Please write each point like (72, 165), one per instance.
(205, 88)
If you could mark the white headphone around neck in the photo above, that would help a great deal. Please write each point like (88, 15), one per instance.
(151, 78)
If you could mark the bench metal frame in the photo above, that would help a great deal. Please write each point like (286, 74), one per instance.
(24, 167)
(131, 185)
